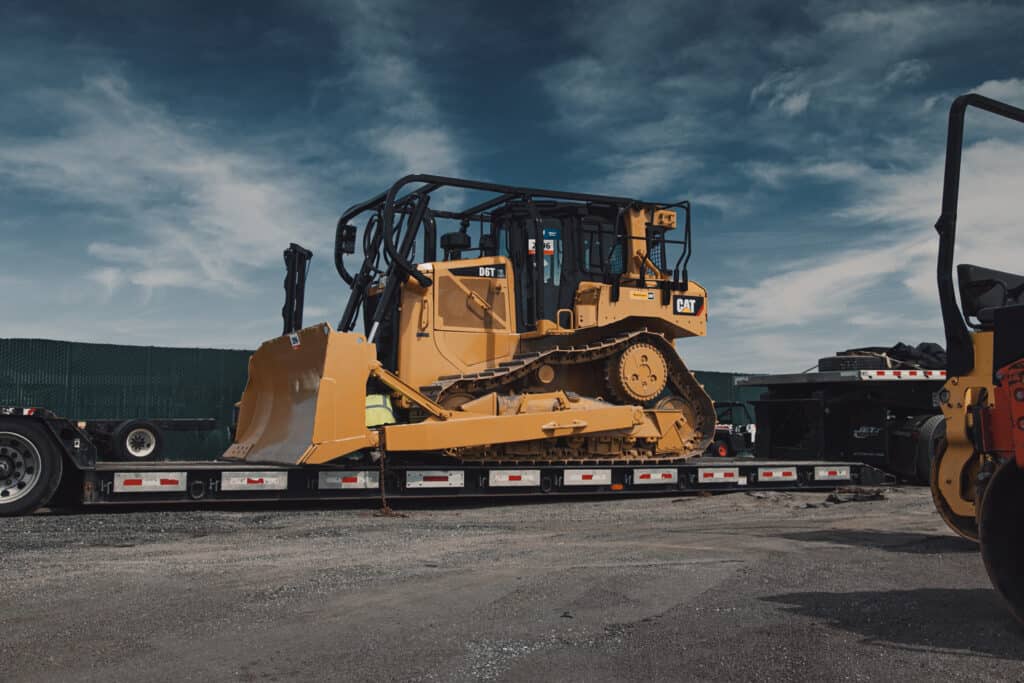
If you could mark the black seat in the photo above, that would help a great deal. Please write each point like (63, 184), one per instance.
(983, 290)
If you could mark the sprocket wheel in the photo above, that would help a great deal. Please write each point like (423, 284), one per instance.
(638, 374)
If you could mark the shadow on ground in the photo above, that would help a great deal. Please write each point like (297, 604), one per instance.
(973, 621)
(892, 541)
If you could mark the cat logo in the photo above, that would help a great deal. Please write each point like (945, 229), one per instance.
(688, 305)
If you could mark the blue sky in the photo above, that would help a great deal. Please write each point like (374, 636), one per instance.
(155, 158)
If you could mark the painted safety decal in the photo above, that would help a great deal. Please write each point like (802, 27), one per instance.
(496, 272)
(551, 235)
(687, 305)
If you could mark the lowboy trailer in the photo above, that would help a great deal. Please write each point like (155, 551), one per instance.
(44, 458)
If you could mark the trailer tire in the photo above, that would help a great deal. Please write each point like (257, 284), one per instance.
(30, 467)
(932, 433)
(136, 440)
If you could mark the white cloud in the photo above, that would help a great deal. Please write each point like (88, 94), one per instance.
(776, 175)
(417, 150)
(405, 130)
(796, 103)
(109, 279)
(836, 170)
(1010, 90)
(786, 91)
(768, 173)
(907, 72)
(884, 289)
(807, 291)
(196, 214)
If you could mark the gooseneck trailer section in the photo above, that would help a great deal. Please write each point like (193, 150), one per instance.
(45, 457)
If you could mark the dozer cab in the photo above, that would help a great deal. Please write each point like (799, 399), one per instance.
(531, 326)
(978, 476)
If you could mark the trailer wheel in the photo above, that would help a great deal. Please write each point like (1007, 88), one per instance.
(30, 467)
(137, 440)
(932, 432)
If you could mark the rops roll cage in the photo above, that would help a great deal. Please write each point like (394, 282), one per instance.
(396, 220)
(959, 349)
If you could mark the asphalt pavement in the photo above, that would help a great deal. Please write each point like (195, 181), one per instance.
(731, 587)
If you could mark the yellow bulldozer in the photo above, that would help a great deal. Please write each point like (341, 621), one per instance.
(978, 474)
(549, 340)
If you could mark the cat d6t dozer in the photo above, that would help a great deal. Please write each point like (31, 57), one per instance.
(549, 341)
(978, 478)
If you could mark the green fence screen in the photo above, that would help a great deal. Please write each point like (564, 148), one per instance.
(84, 381)
(92, 381)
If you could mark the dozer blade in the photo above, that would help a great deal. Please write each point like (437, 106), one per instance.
(305, 399)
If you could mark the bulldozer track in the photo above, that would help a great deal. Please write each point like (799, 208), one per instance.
(520, 368)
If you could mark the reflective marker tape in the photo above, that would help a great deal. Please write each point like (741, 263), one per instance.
(513, 478)
(720, 475)
(254, 481)
(348, 480)
(833, 473)
(656, 476)
(776, 474)
(434, 479)
(587, 477)
(902, 374)
(148, 482)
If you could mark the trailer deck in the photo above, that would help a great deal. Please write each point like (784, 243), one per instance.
(111, 483)
(87, 478)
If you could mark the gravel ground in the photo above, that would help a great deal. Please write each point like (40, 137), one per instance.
(731, 587)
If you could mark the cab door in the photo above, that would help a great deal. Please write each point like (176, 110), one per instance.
(474, 319)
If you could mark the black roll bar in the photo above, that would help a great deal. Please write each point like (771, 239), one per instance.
(412, 206)
(959, 349)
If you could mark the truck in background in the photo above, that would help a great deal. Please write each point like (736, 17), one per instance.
(876, 406)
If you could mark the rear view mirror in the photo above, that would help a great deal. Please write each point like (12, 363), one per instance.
(347, 239)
